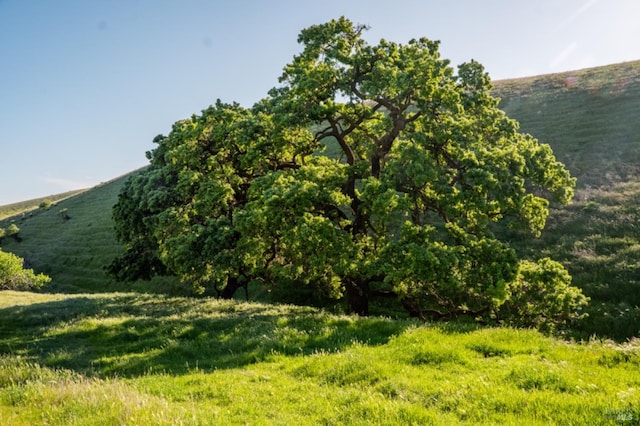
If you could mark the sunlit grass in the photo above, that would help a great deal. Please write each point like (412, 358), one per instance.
(141, 359)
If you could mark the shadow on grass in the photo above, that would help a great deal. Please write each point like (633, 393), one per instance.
(130, 335)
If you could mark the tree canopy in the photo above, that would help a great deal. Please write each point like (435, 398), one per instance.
(370, 169)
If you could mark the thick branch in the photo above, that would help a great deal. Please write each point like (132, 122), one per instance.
(332, 212)
(384, 144)
(344, 145)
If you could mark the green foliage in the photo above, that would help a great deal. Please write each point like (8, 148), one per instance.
(147, 359)
(11, 231)
(45, 204)
(592, 128)
(542, 296)
(130, 217)
(597, 239)
(14, 277)
(181, 209)
(428, 167)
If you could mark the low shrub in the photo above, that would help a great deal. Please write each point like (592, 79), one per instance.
(13, 276)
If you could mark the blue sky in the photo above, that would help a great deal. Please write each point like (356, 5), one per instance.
(85, 85)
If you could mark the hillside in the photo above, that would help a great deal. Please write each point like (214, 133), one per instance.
(151, 360)
(73, 240)
(71, 250)
(12, 209)
(589, 117)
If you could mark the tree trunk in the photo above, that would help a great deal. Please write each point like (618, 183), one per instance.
(357, 298)
(233, 284)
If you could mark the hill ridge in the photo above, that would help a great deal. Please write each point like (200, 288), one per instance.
(588, 116)
(616, 67)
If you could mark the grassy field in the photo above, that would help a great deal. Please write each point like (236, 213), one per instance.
(125, 358)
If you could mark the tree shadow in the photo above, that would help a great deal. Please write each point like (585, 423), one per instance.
(128, 335)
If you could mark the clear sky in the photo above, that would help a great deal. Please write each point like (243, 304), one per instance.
(85, 85)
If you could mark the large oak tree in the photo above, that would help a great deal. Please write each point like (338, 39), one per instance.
(371, 169)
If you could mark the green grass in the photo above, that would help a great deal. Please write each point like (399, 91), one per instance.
(597, 238)
(148, 359)
(589, 117)
(72, 251)
(77, 355)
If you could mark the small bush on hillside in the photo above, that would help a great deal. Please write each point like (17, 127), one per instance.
(45, 204)
(64, 214)
(11, 231)
(541, 296)
(13, 276)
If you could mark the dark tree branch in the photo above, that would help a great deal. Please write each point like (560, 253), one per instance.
(344, 145)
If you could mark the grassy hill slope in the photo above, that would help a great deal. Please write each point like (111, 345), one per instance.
(590, 119)
(72, 250)
(73, 240)
(142, 359)
(29, 205)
